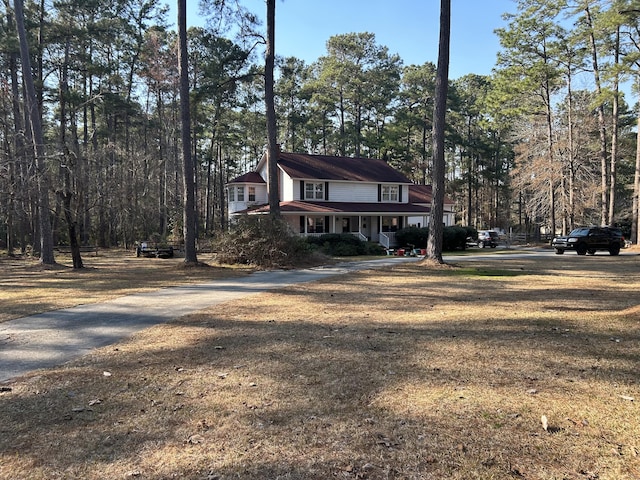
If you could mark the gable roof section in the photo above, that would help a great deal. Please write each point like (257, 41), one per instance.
(420, 194)
(251, 177)
(326, 167)
(423, 194)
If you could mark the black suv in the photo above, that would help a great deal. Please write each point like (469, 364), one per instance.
(589, 239)
(488, 238)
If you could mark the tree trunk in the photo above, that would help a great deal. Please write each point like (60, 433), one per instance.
(66, 195)
(16, 197)
(572, 153)
(190, 255)
(614, 133)
(272, 146)
(37, 137)
(635, 231)
(434, 244)
(602, 129)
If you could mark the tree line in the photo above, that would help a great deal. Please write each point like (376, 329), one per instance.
(544, 143)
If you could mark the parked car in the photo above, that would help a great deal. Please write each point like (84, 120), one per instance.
(488, 238)
(153, 249)
(590, 239)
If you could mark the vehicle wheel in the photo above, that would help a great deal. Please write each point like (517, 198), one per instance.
(480, 244)
(614, 250)
(591, 252)
(494, 245)
(581, 249)
(559, 251)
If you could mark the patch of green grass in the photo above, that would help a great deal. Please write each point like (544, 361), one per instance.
(484, 272)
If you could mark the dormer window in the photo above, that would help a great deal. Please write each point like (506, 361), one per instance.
(390, 193)
(314, 191)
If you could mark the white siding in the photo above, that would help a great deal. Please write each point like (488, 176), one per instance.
(261, 194)
(236, 207)
(261, 197)
(287, 190)
(353, 192)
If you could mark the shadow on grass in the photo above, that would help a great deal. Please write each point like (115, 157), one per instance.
(354, 377)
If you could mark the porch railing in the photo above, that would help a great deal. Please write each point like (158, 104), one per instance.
(355, 234)
(386, 239)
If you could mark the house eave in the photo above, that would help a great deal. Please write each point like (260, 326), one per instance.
(343, 208)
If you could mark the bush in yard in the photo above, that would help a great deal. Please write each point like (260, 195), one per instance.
(454, 238)
(472, 233)
(265, 242)
(344, 245)
(372, 248)
(412, 236)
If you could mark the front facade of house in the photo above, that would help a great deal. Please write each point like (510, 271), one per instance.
(326, 194)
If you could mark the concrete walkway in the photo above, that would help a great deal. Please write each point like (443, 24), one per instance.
(52, 338)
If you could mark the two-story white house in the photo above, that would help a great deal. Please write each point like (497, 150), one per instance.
(327, 194)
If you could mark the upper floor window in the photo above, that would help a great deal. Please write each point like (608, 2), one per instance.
(240, 194)
(390, 193)
(252, 194)
(313, 191)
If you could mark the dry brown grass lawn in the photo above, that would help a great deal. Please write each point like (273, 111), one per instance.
(26, 287)
(405, 373)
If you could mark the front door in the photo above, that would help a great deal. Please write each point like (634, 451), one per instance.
(346, 225)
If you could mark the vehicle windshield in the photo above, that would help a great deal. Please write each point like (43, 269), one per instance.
(578, 232)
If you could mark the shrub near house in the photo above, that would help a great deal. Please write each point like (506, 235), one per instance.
(344, 245)
(453, 238)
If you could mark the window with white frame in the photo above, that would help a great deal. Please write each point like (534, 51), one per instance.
(252, 194)
(390, 224)
(316, 225)
(313, 191)
(240, 194)
(390, 193)
(232, 194)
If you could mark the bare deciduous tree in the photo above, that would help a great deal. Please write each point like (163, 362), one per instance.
(35, 122)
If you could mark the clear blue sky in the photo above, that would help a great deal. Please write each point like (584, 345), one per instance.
(409, 28)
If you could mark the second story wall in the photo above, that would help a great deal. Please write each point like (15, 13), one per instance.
(241, 196)
(316, 190)
(286, 187)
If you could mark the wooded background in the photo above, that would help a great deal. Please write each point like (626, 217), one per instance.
(547, 142)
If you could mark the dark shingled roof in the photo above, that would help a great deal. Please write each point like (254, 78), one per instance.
(420, 193)
(251, 177)
(327, 167)
(423, 194)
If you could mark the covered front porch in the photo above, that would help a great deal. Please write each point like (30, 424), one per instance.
(375, 228)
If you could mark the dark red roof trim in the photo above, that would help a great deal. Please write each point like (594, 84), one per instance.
(346, 207)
